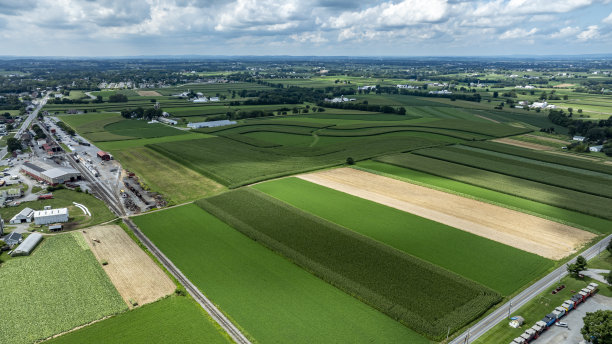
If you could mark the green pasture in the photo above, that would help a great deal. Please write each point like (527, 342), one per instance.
(270, 298)
(133, 143)
(59, 286)
(499, 267)
(171, 320)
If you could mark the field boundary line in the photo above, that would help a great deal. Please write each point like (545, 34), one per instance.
(197, 295)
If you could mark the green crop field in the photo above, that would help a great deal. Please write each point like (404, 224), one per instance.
(64, 198)
(546, 173)
(160, 173)
(234, 163)
(379, 275)
(547, 194)
(60, 286)
(171, 320)
(89, 123)
(269, 297)
(499, 267)
(542, 156)
(584, 221)
(131, 143)
(141, 129)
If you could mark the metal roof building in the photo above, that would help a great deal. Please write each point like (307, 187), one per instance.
(28, 245)
(25, 215)
(13, 238)
(56, 175)
(47, 216)
(210, 124)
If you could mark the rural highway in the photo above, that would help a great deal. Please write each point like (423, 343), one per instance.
(208, 306)
(501, 314)
(26, 123)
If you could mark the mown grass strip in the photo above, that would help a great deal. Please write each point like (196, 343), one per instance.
(426, 298)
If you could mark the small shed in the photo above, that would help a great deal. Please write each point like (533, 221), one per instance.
(28, 245)
(104, 155)
(56, 228)
(13, 238)
(516, 322)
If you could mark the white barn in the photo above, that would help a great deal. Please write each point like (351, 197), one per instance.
(47, 216)
(210, 124)
(25, 215)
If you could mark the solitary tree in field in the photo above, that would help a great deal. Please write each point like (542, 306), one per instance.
(598, 327)
(350, 161)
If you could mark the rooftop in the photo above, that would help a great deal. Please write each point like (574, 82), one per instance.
(49, 212)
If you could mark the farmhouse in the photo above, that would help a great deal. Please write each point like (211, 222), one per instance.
(167, 121)
(13, 238)
(24, 216)
(200, 100)
(56, 175)
(579, 138)
(28, 245)
(47, 216)
(210, 124)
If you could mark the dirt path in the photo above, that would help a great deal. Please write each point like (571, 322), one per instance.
(522, 144)
(487, 118)
(132, 271)
(527, 232)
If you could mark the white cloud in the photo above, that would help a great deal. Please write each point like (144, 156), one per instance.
(309, 37)
(518, 33)
(590, 33)
(565, 32)
(252, 15)
(608, 19)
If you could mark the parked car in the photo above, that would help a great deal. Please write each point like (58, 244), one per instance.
(561, 324)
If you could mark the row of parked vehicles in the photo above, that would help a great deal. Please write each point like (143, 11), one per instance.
(549, 320)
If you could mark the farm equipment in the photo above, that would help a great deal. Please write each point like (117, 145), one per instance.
(47, 196)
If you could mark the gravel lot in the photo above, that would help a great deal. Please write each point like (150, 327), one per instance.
(560, 335)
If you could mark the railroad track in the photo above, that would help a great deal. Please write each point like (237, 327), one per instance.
(208, 306)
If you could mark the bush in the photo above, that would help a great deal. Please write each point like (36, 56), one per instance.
(350, 161)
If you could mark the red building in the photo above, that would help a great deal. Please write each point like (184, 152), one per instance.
(104, 156)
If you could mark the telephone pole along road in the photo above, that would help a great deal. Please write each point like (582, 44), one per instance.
(208, 306)
(526, 295)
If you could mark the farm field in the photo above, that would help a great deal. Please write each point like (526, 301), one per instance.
(522, 231)
(547, 173)
(61, 276)
(247, 280)
(135, 275)
(224, 159)
(379, 275)
(575, 219)
(548, 194)
(64, 198)
(170, 320)
(522, 144)
(159, 173)
(426, 239)
(134, 143)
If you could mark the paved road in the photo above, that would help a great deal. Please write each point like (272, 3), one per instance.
(501, 314)
(208, 306)
(26, 123)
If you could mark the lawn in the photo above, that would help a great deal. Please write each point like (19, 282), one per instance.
(171, 320)
(591, 223)
(64, 198)
(499, 267)
(269, 297)
(176, 182)
(548, 194)
(426, 298)
(58, 287)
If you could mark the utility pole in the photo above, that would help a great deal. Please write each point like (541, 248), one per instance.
(509, 307)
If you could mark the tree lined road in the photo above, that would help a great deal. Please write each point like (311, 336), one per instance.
(526, 295)
(26, 123)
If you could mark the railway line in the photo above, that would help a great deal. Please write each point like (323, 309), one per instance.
(208, 306)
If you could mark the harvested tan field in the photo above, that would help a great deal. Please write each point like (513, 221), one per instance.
(563, 85)
(527, 232)
(148, 93)
(522, 144)
(132, 271)
(547, 139)
(487, 118)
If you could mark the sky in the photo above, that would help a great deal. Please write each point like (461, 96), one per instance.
(305, 28)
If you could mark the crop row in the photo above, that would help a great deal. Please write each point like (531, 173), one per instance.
(426, 298)
(540, 156)
(547, 194)
(374, 131)
(521, 169)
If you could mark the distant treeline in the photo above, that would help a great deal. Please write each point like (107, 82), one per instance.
(592, 130)
(364, 107)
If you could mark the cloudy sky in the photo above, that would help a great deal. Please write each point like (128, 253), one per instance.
(303, 27)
